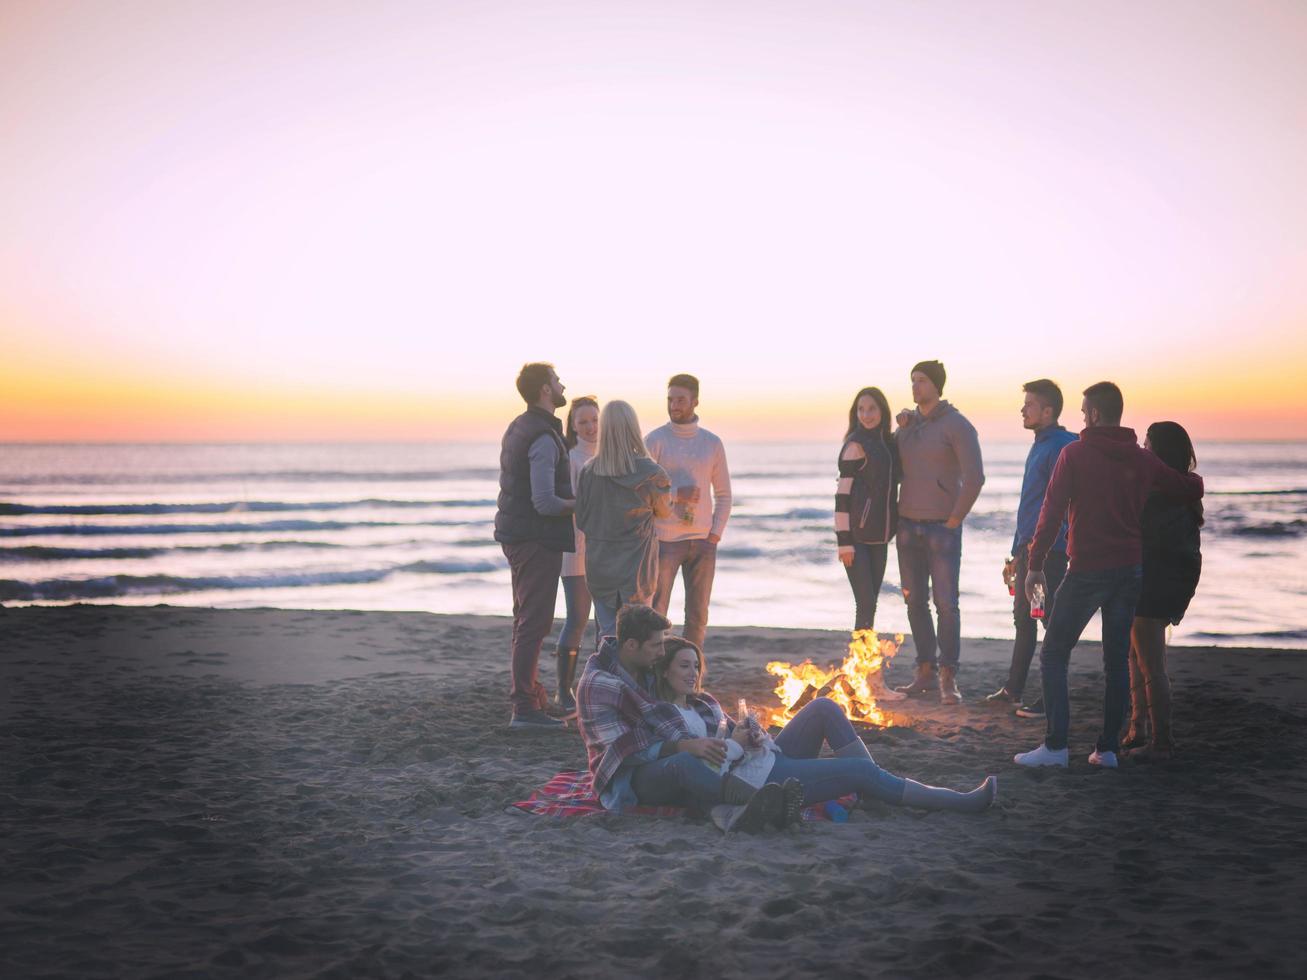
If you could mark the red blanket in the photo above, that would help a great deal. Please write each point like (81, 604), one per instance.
(569, 794)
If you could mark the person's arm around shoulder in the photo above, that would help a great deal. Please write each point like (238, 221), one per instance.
(1173, 483)
(721, 493)
(850, 459)
(966, 445)
(543, 457)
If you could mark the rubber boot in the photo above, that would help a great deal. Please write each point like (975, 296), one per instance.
(924, 797)
(766, 808)
(566, 670)
(948, 686)
(923, 683)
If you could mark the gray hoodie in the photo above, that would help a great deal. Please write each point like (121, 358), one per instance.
(942, 469)
(616, 513)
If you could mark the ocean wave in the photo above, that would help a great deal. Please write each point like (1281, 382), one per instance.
(1254, 636)
(1256, 493)
(228, 507)
(1271, 529)
(112, 586)
(228, 528)
(253, 476)
(45, 553)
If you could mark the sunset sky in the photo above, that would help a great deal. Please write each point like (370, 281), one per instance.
(330, 220)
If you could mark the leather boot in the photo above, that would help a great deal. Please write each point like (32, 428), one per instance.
(566, 670)
(948, 686)
(923, 683)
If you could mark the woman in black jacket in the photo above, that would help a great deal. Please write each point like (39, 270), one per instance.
(866, 501)
(1173, 562)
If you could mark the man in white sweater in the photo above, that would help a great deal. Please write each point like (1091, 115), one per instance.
(687, 541)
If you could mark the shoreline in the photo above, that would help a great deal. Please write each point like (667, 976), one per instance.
(282, 793)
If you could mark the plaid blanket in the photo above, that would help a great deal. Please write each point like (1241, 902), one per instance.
(571, 794)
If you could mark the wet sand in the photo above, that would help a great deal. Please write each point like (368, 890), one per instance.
(190, 792)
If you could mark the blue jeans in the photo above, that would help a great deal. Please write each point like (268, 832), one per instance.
(866, 575)
(696, 559)
(821, 720)
(678, 780)
(1115, 591)
(605, 619)
(931, 554)
(1023, 647)
(577, 594)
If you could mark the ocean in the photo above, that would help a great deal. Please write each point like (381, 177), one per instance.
(408, 527)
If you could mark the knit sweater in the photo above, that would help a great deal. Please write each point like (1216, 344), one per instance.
(695, 461)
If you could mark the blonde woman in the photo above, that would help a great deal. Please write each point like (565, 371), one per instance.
(618, 495)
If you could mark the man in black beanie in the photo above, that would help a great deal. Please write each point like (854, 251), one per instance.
(942, 477)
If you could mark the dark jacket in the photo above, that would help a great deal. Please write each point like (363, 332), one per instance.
(517, 521)
(1104, 480)
(872, 500)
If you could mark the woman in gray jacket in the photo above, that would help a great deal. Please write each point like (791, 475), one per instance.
(618, 495)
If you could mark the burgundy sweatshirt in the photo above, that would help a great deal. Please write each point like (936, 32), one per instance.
(1105, 479)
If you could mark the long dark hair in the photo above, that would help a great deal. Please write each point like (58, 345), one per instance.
(878, 397)
(1171, 444)
(570, 437)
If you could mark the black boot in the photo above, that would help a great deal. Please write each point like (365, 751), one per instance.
(566, 670)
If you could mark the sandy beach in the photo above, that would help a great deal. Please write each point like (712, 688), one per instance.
(192, 792)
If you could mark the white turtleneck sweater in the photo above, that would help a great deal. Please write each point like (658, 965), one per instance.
(693, 458)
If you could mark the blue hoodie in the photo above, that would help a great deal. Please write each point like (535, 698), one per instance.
(1039, 467)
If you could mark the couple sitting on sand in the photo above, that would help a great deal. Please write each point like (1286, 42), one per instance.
(645, 719)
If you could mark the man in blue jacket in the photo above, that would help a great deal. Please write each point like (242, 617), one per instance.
(1039, 413)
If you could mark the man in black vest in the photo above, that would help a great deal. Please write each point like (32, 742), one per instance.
(534, 526)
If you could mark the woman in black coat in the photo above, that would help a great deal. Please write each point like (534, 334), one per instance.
(1172, 564)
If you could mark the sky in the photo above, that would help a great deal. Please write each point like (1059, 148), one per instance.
(327, 220)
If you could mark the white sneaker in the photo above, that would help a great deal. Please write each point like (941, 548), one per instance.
(1042, 756)
(1105, 759)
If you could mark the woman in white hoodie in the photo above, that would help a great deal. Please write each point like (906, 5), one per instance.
(581, 436)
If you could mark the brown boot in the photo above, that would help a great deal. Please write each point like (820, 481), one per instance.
(923, 683)
(948, 686)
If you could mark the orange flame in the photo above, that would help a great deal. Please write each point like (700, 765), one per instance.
(854, 685)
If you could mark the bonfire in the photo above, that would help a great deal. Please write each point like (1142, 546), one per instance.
(856, 685)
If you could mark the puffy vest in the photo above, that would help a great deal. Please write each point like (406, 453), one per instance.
(517, 520)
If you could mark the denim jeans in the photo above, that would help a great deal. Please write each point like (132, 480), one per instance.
(1115, 591)
(605, 619)
(534, 571)
(679, 780)
(931, 553)
(696, 559)
(577, 595)
(866, 575)
(1023, 647)
(821, 720)
(818, 721)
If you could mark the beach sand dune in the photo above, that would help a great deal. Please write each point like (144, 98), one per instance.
(285, 793)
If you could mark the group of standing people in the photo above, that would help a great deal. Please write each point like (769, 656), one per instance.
(1101, 524)
(634, 514)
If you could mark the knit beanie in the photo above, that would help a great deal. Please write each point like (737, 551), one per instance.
(933, 370)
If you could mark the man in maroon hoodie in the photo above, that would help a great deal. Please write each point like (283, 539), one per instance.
(1104, 480)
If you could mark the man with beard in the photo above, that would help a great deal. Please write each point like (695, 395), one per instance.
(534, 527)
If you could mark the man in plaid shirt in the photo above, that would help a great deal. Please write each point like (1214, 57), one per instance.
(637, 746)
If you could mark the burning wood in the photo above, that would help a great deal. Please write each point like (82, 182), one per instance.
(854, 685)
